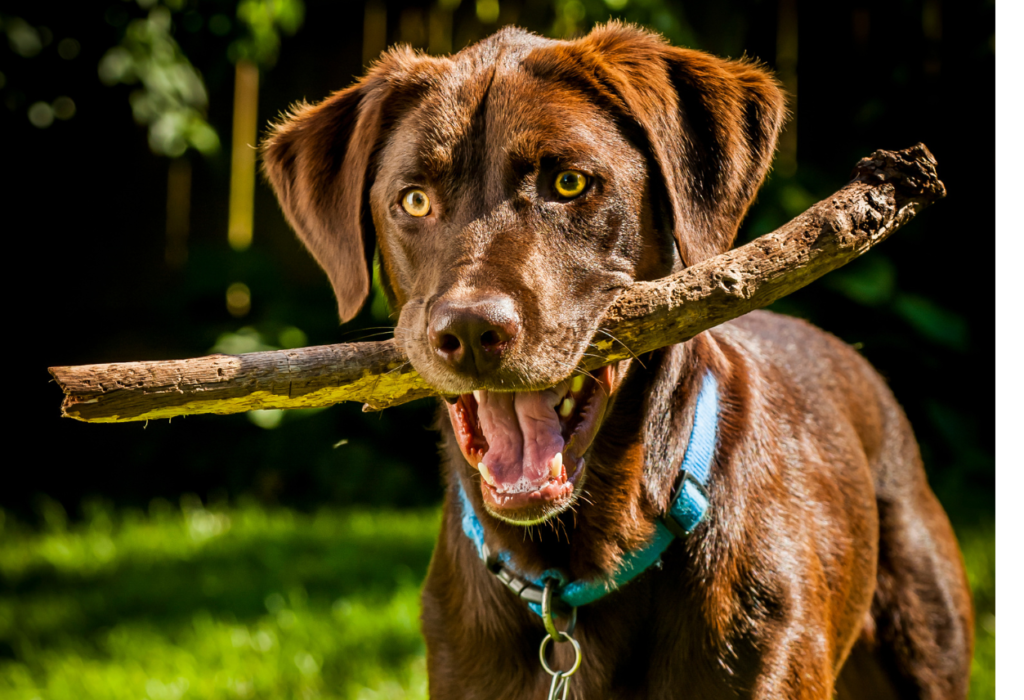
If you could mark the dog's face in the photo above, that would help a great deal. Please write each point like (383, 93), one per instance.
(512, 191)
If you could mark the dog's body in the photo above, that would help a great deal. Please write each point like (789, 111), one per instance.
(767, 599)
(513, 191)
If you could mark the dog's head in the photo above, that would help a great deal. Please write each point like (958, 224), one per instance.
(513, 190)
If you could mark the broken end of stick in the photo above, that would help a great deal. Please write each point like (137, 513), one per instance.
(57, 374)
(69, 402)
(912, 170)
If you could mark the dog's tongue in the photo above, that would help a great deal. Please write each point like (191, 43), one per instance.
(523, 436)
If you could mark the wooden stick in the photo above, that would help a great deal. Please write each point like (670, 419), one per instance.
(887, 190)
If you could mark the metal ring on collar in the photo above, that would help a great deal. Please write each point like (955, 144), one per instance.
(544, 662)
(547, 614)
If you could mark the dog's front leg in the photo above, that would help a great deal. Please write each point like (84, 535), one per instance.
(797, 666)
(465, 662)
(777, 632)
(796, 647)
(481, 643)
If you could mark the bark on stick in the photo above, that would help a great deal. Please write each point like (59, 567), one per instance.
(887, 190)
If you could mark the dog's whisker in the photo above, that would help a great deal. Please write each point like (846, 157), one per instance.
(565, 530)
(628, 349)
(575, 367)
(399, 368)
(370, 336)
(349, 334)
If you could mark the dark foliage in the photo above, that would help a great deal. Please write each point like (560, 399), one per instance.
(85, 208)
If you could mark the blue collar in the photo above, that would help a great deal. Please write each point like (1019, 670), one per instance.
(687, 509)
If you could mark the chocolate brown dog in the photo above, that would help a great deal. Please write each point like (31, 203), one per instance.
(512, 191)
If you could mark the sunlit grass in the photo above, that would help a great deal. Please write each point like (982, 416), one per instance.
(248, 603)
(215, 604)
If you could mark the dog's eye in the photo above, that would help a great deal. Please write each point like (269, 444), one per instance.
(416, 203)
(570, 183)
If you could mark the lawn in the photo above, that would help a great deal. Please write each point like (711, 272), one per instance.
(244, 602)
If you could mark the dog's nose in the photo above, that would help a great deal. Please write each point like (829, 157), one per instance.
(472, 335)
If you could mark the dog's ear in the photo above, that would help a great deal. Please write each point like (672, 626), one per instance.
(320, 162)
(317, 161)
(711, 126)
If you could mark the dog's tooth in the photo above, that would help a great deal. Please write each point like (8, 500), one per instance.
(478, 395)
(485, 472)
(567, 407)
(577, 384)
(555, 466)
(558, 393)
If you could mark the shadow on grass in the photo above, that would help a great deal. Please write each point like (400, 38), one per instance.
(238, 578)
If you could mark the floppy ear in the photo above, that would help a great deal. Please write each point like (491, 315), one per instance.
(317, 162)
(320, 162)
(711, 126)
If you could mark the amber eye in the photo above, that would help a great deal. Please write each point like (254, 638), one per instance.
(570, 183)
(416, 203)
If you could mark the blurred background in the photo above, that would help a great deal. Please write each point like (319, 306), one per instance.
(278, 554)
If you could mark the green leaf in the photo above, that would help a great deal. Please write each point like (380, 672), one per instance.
(932, 321)
(870, 280)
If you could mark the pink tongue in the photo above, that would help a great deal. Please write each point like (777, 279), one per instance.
(523, 436)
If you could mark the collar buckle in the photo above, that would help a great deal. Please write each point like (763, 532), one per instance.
(669, 520)
(686, 476)
(523, 588)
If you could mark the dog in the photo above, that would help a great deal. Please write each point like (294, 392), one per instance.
(511, 192)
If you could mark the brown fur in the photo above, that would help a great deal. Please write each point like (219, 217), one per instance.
(823, 544)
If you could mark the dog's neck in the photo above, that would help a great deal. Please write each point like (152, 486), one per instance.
(630, 473)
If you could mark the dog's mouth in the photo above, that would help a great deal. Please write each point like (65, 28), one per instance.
(528, 446)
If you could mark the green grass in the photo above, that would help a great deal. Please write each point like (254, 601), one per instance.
(238, 603)
(247, 603)
(978, 545)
